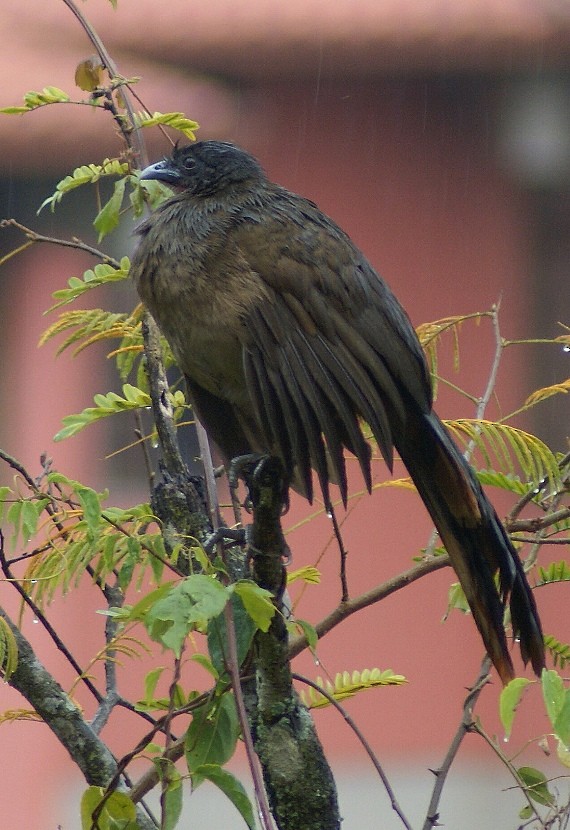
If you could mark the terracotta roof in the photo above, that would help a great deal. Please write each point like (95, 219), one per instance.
(254, 37)
(169, 41)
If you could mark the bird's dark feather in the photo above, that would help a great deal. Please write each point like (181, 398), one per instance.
(289, 339)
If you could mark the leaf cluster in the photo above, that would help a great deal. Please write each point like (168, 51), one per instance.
(556, 699)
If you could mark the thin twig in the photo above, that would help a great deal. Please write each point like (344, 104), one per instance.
(75, 243)
(209, 474)
(233, 668)
(343, 555)
(379, 592)
(115, 599)
(131, 133)
(368, 749)
(40, 616)
(476, 727)
(432, 816)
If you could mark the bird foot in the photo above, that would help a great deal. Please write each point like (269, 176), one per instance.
(233, 535)
(248, 467)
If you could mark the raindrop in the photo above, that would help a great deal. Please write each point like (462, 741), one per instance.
(34, 581)
(566, 348)
(35, 621)
(329, 514)
(154, 444)
(506, 739)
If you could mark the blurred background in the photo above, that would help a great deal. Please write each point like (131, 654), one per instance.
(437, 135)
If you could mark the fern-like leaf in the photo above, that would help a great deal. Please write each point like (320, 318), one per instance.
(505, 481)
(8, 650)
(555, 572)
(102, 274)
(504, 446)
(560, 652)
(347, 684)
(105, 405)
(307, 573)
(175, 120)
(33, 100)
(86, 174)
(430, 334)
(91, 325)
(547, 392)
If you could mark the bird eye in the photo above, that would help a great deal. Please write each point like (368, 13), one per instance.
(189, 164)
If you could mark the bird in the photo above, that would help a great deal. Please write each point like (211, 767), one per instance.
(291, 342)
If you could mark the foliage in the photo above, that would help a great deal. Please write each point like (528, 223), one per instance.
(347, 684)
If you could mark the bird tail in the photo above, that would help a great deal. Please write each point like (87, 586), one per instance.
(476, 541)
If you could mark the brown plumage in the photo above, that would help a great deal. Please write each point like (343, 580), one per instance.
(289, 339)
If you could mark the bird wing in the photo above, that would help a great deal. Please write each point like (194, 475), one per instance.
(329, 345)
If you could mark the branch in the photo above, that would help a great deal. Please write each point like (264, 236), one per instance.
(115, 598)
(75, 243)
(130, 133)
(39, 615)
(298, 779)
(476, 727)
(49, 700)
(61, 715)
(346, 609)
(432, 817)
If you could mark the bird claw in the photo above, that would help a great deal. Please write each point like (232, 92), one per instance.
(247, 467)
(234, 535)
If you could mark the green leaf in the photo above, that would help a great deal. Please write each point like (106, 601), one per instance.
(553, 693)
(244, 628)
(509, 700)
(118, 813)
(212, 735)
(232, 788)
(257, 602)
(24, 515)
(91, 505)
(536, 785)
(187, 606)
(563, 753)
(149, 192)
(347, 684)
(171, 798)
(109, 404)
(309, 631)
(456, 599)
(150, 682)
(555, 572)
(308, 573)
(505, 446)
(15, 518)
(5, 495)
(33, 100)
(86, 174)
(176, 120)
(108, 217)
(102, 274)
(205, 662)
(131, 559)
(138, 612)
(8, 650)
(562, 722)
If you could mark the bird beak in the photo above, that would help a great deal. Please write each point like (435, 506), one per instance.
(162, 171)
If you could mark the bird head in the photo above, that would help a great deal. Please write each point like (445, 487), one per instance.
(205, 168)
